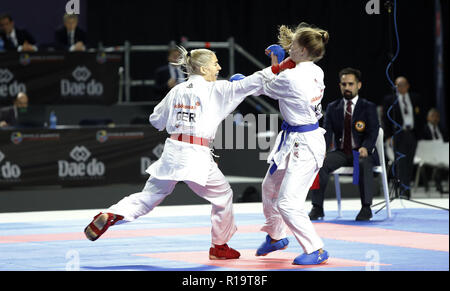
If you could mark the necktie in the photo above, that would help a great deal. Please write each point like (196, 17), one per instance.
(435, 135)
(405, 106)
(348, 129)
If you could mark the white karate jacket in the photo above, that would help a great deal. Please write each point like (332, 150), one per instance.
(195, 107)
(299, 92)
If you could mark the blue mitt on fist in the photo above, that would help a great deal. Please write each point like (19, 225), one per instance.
(236, 77)
(276, 50)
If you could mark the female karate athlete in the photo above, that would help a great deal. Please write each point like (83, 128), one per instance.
(300, 146)
(191, 113)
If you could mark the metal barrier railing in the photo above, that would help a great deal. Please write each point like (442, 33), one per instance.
(126, 82)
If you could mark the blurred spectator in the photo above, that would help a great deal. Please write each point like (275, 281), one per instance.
(15, 39)
(167, 76)
(70, 37)
(432, 131)
(9, 116)
(405, 112)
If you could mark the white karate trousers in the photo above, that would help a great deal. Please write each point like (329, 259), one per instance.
(217, 191)
(284, 195)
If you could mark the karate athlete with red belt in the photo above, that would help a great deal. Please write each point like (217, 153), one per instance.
(191, 113)
(300, 146)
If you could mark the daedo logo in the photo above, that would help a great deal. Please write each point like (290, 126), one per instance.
(81, 167)
(81, 87)
(9, 86)
(5, 76)
(8, 170)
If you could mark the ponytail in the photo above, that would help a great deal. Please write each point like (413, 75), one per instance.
(312, 38)
(193, 60)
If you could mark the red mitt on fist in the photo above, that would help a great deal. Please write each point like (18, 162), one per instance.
(288, 63)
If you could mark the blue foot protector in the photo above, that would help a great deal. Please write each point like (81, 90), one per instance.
(268, 247)
(314, 258)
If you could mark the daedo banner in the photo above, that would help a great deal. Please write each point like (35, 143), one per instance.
(60, 77)
(78, 156)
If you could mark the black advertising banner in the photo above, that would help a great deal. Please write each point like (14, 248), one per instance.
(78, 156)
(60, 77)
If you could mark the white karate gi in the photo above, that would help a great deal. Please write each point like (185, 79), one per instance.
(299, 92)
(196, 108)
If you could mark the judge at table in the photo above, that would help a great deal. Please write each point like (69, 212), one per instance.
(432, 131)
(9, 115)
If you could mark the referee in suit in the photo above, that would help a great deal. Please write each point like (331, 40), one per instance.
(9, 116)
(406, 113)
(15, 39)
(432, 131)
(354, 123)
(70, 37)
(168, 75)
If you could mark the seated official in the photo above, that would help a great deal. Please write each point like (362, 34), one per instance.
(70, 37)
(354, 123)
(15, 39)
(433, 131)
(9, 116)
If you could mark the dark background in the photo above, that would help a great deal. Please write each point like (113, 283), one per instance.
(356, 39)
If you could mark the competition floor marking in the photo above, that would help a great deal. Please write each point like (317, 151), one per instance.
(177, 238)
(372, 235)
(280, 260)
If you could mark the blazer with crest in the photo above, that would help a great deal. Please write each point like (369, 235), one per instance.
(365, 124)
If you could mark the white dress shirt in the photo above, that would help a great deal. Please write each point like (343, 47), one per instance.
(408, 119)
(13, 38)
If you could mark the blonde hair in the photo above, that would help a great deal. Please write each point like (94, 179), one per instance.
(195, 59)
(312, 38)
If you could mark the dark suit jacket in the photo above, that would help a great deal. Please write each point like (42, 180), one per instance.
(22, 36)
(62, 39)
(8, 114)
(396, 114)
(162, 75)
(365, 124)
(427, 135)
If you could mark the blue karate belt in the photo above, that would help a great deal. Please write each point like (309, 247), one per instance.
(355, 167)
(288, 129)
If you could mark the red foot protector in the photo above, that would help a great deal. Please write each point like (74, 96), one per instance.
(100, 224)
(223, 252)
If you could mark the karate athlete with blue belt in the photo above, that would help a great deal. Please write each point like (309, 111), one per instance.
(300, 146)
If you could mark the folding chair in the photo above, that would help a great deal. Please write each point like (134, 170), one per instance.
(379, 145)
(432, 153)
